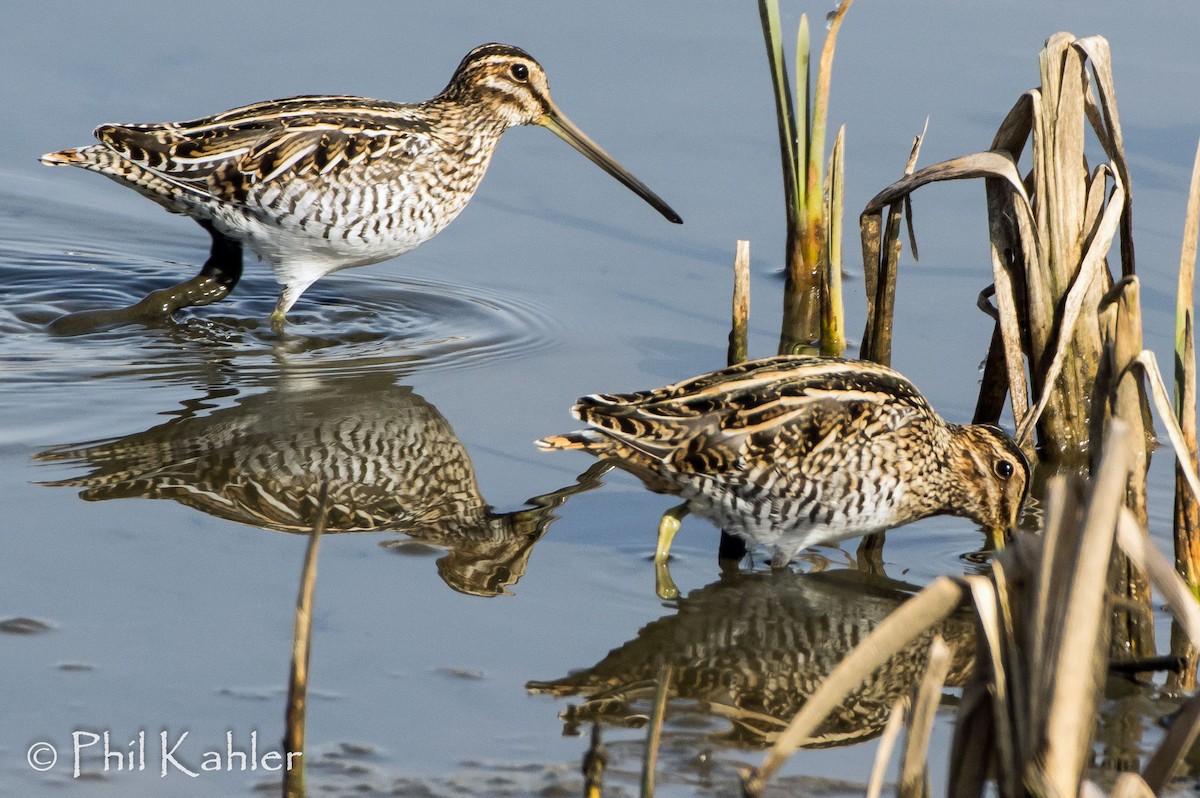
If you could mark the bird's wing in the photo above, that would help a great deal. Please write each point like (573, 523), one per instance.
(227, 155)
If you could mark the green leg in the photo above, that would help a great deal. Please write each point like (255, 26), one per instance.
(287, 297)
(216, 279)
(278, 318)
(667, 527)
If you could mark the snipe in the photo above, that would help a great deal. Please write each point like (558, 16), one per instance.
(317, 184)
(790, 452)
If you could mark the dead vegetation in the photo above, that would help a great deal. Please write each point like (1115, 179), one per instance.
(1067, 352)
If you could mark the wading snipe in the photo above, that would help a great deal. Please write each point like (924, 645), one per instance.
(317, 184)
(791, 452)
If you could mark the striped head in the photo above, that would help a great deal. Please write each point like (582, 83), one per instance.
(506, 84)
(990, 477)
(504, 79)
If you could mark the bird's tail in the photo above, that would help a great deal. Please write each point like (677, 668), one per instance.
(172, 194)
(581, 439)
(71, 157)
(96, 158)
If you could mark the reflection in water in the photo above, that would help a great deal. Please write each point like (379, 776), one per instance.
(391, 459)
(753, 647)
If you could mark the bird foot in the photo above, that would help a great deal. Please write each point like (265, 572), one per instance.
(157, 306)
(664, 585)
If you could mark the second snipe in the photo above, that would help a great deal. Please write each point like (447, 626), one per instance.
(317, 184)
(796, 451)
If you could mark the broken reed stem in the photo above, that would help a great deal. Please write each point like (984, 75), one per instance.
(1076, 663)
(881, 255)
(883, 752)
(988, 598)
(1186, 521)
(970, 751)
(993, 386)
(297, 700)
(654, 734)
(1137, 546)
(1068, 204)
(1185, 613)
(738, 346)
(732, 547)
(914, 769)
(1187, 509)
(1121, 334)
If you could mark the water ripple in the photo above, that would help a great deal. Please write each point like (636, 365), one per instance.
(347, 323)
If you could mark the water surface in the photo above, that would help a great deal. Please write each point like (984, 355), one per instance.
(159, 604)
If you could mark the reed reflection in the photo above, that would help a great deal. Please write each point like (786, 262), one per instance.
(392, 461)
(752, 647)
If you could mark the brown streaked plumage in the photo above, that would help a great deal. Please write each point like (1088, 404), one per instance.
(791, 452)
(322, 183)
(752, 648)
(388, 459)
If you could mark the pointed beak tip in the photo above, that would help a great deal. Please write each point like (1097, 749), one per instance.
(560, 126)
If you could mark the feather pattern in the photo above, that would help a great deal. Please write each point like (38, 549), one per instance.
(315, 184)
(389, 460)
(794, 451)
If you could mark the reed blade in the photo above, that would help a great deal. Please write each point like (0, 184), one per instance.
(1187, 509)
(833, 311)
(297, 699)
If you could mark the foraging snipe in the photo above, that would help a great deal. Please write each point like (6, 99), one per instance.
(317, 184)
(791, 452)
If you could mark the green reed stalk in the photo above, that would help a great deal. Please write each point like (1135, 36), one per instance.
(833, 312)
(809, 312)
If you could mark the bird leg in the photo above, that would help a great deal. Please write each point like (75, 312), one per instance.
(667, 527)
(870, 554)
(730, 552)
(287, 297)
(216, 279)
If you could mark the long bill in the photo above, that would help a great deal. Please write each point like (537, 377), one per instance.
(557, 123)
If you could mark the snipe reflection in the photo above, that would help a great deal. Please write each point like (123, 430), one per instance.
(752, 647)
(392, 461)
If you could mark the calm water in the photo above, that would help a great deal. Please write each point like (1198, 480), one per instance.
(164, 612)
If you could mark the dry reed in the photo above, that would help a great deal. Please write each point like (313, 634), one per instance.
(297, 700)
(1045, 612)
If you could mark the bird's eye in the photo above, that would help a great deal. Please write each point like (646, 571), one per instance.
(520, 72)
(1004, 469)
